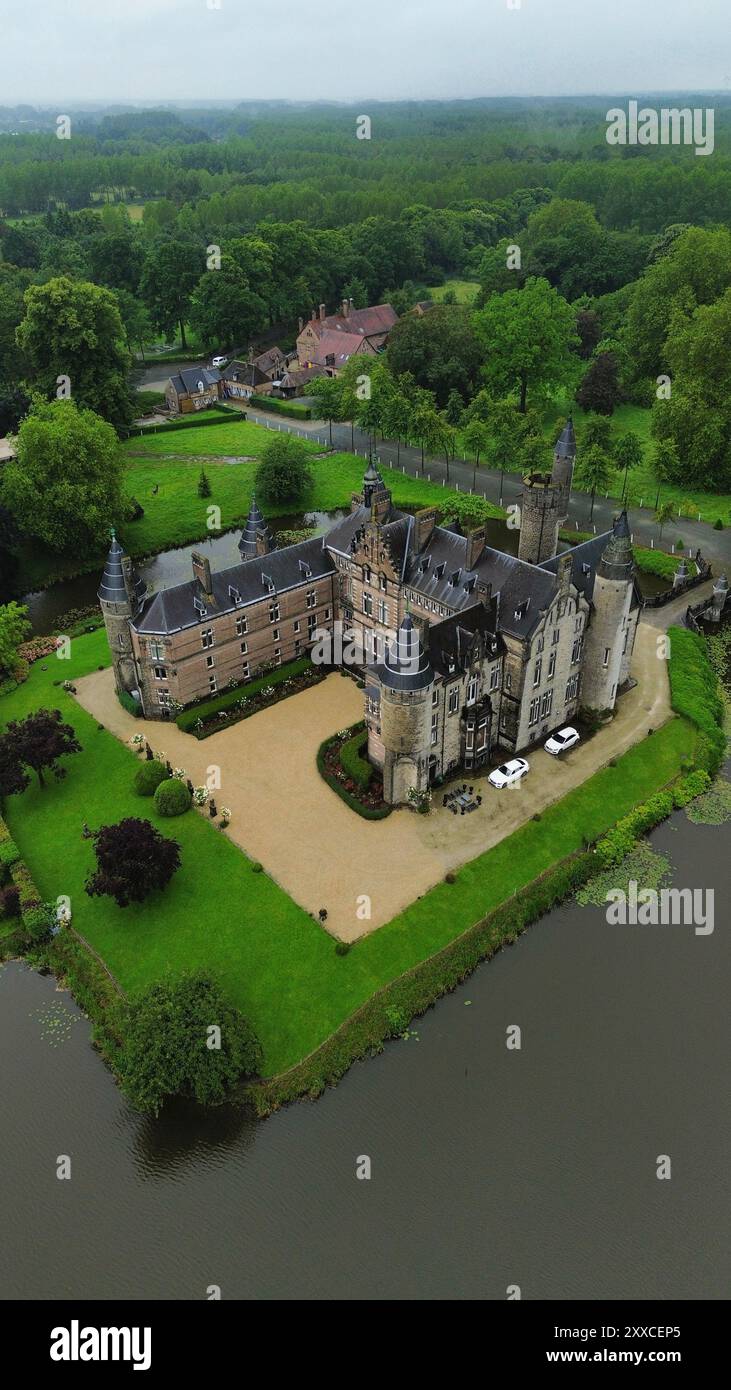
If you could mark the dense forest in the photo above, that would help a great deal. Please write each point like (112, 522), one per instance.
(598, 274)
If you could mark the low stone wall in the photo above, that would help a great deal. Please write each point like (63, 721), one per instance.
(667, 596)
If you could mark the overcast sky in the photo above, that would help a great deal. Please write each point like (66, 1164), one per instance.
(61, 51)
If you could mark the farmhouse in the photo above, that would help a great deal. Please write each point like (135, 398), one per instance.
(330, 340)
(193, 388)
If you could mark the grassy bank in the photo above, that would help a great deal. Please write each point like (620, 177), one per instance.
(274, 961)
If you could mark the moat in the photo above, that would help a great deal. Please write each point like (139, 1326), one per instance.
(488, 1167)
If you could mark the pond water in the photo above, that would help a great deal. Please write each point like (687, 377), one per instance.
(489, 1167)
(173, 567)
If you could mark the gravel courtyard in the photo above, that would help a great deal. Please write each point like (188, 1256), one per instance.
(312, 844)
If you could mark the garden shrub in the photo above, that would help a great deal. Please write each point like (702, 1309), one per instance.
(148, 777)
(353, 764)
(617, 843)
(688, 788)
(129, 703)
(172, 797)
(9, 853)
(342, 948)
(248, 689)
(10, 901)
(256, 867)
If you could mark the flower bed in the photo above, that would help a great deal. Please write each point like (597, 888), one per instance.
(244, 700)
(366, 800)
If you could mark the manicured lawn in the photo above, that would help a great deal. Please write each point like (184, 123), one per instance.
(240, 437)
(276, 963)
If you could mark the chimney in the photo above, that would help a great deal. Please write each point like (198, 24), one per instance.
(484, 592)
(346, 308)
(202, 572)
(302, 324)
(563, 574)
(322, 312)
(251, 355)
(475, 545)
(424, 522)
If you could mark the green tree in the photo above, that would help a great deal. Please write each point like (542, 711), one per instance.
(695, 270)
(454, 408)
(528, 337)
(328, 392)
(284, 474)
(475, 437)
(73, 330)
(628, 454)
(64, 485)
(167, 1048)
(223, 308)
(597, 430)
(136, 321)
(593, 471)
(665, 513)
(440, 349)
(171, 272)
(397, 420)
(14, 628)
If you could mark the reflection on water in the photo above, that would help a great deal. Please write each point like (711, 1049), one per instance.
(489, 1167)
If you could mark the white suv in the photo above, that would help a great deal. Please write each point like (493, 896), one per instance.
(219, 362)
(509, 773)
(558, 743)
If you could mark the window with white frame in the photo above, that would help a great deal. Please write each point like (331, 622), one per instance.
(454, 699)
(368, 605)
(157, 651)
(472, 688)
(161, 673)
(311, 598)
(210, 661)
(274, 612)
(382, 611)
(551, 665)
(434, 728)
(537, 672)
(533, 712)
(605, 658)
(494, 677)
(242, 626)
(207, 638)
(546, 703)
(571, 688)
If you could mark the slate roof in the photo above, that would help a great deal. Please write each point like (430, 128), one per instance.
(566, 442)
(406, 665)
(450, 641)
(586, 557)
(269, 361)
(185, 382)
(112, 587)
(248, 373)
(172, 609)
(255, 526)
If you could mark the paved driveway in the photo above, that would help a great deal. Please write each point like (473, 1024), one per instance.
(322, 853)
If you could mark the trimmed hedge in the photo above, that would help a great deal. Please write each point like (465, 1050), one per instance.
(353, 764)
(148, 777)
(277, 407)
(695, 693)
(190, 716)
(213, 415)
(9, 852)
(366, 812)
(172, 798)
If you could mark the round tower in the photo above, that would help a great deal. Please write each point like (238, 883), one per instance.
(406, 680)
(564, 458)
(120, 594)
(539, 518)
(609, 625)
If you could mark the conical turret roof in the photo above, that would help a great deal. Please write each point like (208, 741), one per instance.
(255, 526)
(617, 560)
(406, 665)
(112, 588)
(566, 442)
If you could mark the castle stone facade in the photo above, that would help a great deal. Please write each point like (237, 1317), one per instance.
(466, 652)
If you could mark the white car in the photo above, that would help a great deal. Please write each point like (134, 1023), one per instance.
(558, 743)
(219, 362)
(508, 774)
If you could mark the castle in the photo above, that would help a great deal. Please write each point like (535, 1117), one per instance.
(465, 650)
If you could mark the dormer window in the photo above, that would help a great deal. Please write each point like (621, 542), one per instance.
(234, 593)
(200, 607)
(454, 578)
(268, 582)
(585, 569)
(305, 569)
(439, 570)
(522, 608)
(470, 584)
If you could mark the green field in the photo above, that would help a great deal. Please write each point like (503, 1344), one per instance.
(464, 290)
(274, 961)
